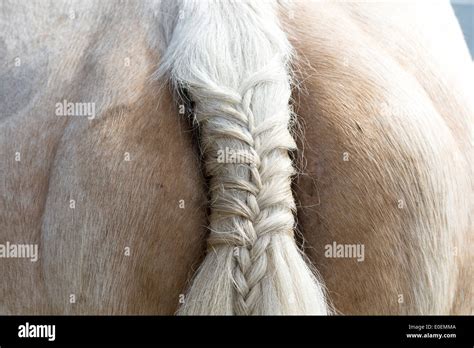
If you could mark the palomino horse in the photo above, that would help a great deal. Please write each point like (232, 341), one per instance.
(113, 202)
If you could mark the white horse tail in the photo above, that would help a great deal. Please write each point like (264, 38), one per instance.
(231, 58)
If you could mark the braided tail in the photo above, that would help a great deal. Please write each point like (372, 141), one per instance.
(232, 59)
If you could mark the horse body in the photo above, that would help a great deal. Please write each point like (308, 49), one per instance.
(117, 203)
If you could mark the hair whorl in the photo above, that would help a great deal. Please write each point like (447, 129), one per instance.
(232, 58)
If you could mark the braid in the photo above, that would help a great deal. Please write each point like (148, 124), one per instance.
(243, 198)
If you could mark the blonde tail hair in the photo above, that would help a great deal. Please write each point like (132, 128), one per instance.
(231, 57)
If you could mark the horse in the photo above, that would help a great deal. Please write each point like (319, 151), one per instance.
(235, 157)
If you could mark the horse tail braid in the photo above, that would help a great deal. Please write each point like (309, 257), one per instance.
(232, 58)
